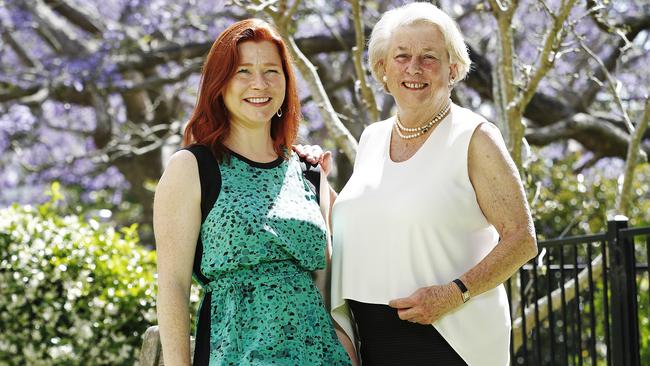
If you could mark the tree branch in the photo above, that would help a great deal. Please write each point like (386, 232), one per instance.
(504, 88)
(156, 82)
(634, 25)
(613, 84)
(59, 92)
(20, 51)
(594, 134)
(52, 26)
(338, 132)
(308, 45)
(79, 16)
(631, 162)
(367, 95)
(553, 40)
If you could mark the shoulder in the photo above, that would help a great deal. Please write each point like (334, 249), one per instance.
(488, 151)
(183, 160)
(487, 136)
(181, 174)
(200, 152)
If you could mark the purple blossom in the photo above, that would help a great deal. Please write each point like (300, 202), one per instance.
(18, 119)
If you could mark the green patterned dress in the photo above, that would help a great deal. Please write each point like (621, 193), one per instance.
(261, 236)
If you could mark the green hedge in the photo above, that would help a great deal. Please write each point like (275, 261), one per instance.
(72, 291)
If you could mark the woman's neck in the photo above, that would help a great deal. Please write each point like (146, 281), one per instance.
(421, 115)
(253, 143)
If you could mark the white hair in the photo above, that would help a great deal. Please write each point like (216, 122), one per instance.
(408, 15)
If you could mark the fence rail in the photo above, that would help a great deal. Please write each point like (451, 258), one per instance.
(580, 300)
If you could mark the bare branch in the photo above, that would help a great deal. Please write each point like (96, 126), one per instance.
(308, 45)
(338, 132)
(293, 9)
(631, 162)
(499, 5)
(634, 26)
(53, 26)
(595, 134)
(58, 92)
(547, 58)
(19, 50)
(504, 91)
(161, 55)
(103, 131)
(156, 82)
(357, 52)
(136, 141)
(333, 31)
(78, 15)
(611, 82)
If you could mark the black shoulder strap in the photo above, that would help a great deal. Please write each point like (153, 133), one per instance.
(311, 172)
(210, 177)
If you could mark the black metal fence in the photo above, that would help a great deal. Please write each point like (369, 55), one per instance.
(585, 300)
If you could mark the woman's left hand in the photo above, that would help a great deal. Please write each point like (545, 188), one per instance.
(428, 304)
(314, 154)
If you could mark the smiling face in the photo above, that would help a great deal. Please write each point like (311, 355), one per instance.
(417, 67)
(257, 89)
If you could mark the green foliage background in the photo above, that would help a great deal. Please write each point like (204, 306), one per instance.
(74, 291)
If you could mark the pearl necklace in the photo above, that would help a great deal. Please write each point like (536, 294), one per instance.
(419, 131)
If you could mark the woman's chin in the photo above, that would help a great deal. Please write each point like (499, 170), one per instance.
(413, 102)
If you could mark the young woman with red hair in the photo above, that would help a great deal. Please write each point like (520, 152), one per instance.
(234, 210)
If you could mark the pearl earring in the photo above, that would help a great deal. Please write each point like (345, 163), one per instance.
(384, 79)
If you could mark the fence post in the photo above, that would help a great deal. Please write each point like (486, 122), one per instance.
(625, 326)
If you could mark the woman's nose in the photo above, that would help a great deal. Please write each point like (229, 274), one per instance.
(259, 81)
(414, 66)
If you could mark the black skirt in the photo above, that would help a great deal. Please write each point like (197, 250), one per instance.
(386, 340)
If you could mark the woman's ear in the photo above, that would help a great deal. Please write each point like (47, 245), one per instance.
(381, 66)
(453, 72)
(381, 74)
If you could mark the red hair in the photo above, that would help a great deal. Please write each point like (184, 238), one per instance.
(209, 124)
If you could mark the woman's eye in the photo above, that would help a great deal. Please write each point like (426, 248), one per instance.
(242, 71)
(272, 71)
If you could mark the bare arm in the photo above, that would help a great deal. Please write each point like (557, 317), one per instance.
(327, 197)
(501, 197)
(177, 218)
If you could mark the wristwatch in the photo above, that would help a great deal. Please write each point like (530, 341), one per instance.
(463, 289)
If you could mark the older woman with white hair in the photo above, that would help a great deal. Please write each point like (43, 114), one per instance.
(434, 218)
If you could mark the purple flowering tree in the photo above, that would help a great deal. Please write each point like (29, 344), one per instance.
(95, 93)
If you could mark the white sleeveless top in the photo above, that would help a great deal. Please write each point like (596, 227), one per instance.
(401, 226)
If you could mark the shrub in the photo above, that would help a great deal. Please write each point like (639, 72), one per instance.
(74, 291)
